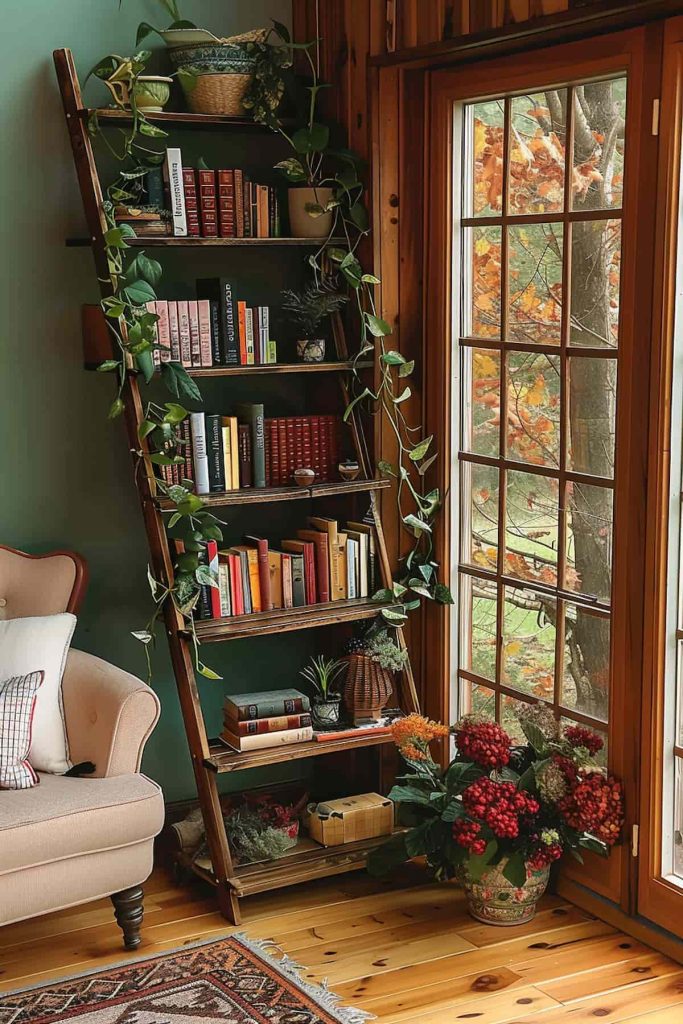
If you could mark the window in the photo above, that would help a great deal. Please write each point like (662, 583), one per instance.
(538, 336)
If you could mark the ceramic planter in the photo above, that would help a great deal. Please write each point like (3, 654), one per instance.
(214, 76)
(494, 900)
(325, 713)
(310, 350)
(152, 92)
(303, 224)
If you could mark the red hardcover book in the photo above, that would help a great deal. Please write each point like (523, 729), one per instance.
(163, 331)
(291, 447)
(242, 325)
(239, 203)
(259, 726)
(247, 195)
(191, 203)
(322, 561)
(195, 338)
(212, 558)
(324, 450)
(261, 545)
(345, 734)
(334, 427)
(282, 447)
(208, 203)
(307, 451)
(184, 330)
(315, 447)
(274, 453)
(299, 442)
(174, 330)
(226, 204)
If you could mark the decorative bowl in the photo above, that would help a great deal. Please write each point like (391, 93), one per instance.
(311, 350)
(218, 58)
(348, 470)
(304, 477)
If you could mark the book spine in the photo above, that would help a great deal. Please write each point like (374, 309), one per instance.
(244, 447)
(309, 575)
(174, 331)
(232, 357)
(224, 589)
(299, 442)
(264, 575)
(208, 204)
(191, 202)
(291, 447)
(226, 204)
(258, 447)
(188, 470)
(287, 596)
(262, 726)
(239, 203)
(184, 330)
(215, 328)
(273, 708)
(322, 564)
(204, 608)
(154, 187)
(249, 335)
(195, 340)
(271, 351)
(282, 446)
(324, 450)
(235, 584)
(298, 581)
(201, 464)
(246, 200)
(151, 307)
(242, 332)
(163, 331)
(174, 175)
(214, 452)
(227, 454)
(275, 739)
(274, 453)
(315, 448)
(205, 344)
(214, 592)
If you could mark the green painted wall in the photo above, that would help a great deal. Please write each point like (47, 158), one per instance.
(66, 473)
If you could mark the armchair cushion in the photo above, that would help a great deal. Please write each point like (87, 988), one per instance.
(17, 703)
(66, 817)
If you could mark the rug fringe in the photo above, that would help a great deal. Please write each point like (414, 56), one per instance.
(318, 992)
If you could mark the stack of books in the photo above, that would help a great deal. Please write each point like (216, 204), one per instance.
(255, 721)
(202, 333)
(321, 564)
(223, 203)
(246, 449)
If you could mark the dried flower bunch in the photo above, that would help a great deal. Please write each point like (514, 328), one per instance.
(524, 805)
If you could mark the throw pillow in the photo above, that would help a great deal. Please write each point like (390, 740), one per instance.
(41, 640)
(17, 704)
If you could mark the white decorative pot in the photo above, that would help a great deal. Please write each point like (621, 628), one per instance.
(304, 224)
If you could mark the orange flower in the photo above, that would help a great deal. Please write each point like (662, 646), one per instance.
(414, 732)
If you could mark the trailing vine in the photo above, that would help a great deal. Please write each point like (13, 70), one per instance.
(318, 164)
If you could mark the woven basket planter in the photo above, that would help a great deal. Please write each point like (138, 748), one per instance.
(218, 94)
(367, 689)
(217, 75)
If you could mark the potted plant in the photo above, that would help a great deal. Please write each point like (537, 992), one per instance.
(372, 664)
(323, 675)
(306, 310)
(500, 815)
(129, 87)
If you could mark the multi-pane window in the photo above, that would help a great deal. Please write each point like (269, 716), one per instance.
(539, 267)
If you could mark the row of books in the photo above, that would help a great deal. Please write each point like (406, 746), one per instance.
(189, 331)
(321, 564)
(255, 721)
(225, 453)
(221, 203)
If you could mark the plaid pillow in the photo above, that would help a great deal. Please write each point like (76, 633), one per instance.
(17, 703)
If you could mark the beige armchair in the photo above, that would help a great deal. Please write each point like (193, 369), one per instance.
(74, 839)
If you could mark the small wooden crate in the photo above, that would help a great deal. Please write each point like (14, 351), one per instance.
(350, 819)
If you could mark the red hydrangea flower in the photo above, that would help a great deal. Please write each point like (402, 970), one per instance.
(579, 736)
(544, 856)
(466, 834)
(500, 806)
(483, 742)
(595, 805)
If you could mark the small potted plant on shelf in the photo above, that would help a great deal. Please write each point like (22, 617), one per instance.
(500, 815)
(323, 676)
(307, 310)
(130, 89)
(372, 663)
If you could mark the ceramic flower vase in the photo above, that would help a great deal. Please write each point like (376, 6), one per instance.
(494, 900)
(304, 224)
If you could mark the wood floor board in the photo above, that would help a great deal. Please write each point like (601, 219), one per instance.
(404, 950)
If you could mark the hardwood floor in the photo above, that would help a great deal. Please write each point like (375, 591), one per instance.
(405, 951)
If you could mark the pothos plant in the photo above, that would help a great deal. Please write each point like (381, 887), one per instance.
(131, 285)
(315, 162)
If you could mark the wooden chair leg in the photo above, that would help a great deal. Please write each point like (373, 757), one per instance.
(128, 910)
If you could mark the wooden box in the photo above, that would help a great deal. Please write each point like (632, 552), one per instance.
(350, 819)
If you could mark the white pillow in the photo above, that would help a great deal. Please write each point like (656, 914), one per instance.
(41, 642)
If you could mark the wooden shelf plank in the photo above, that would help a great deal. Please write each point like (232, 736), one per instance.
(159, 241)
(264, 495)
(286, 620)
(178, 118)
(222, 759)
(305, 861)
(340, 366)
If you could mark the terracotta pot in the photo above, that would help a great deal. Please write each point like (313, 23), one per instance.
(494, 900)
(302, 224)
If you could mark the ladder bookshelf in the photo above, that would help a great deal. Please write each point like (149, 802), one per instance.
(210, 758)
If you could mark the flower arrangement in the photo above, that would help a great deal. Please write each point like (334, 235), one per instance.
(498, 808)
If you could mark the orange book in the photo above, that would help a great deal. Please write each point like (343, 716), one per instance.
(254, 580)
(275, 565)
(242, 327)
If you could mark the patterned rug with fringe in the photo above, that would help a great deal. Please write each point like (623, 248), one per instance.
(232, 980)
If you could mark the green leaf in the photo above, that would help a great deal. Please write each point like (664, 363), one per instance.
(377, 327)
(515, 870)
(151, 130)
(146, 428)
(178, 383)
(370, 279)
(453, 811)
(442, 594)
(115, 409)
(460, 774)
(476, 865)
(159, 459)
(314, 209)
(393, 358)
(409, 795)
(403, 397)
(425, 465)
(189, 505)
(594, 845)
(398, 590)
(386, 467)
(359, 216)
(366, 393)
(145, 362)
(311, 140)
(174, 413)
(292, 168)
(143, 635)
(149, 269)
(421, 449)
(108, 365)
(420, 587)
(417, 839)
(352, 270)
(426, 571)
(207, 672)
(211, 532)
(393, 617)
(175, 518)
(139, 293)
(114, 239)
(535, 736)
(205, 576)
(144, 30)
(187, 562)
(387, 856)
(415, 524)
(407, 368)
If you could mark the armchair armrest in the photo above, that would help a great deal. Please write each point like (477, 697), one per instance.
(109, 714)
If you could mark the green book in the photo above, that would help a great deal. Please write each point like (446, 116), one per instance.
(251, 413)
(270, 704)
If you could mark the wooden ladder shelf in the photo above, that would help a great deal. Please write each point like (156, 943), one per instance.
(211, 759)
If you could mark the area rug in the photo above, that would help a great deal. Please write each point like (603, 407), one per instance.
(234, 981)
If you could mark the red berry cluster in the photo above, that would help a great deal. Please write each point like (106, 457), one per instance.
(544, 856)
(571, 772)
(579, 736)
(485, 743)
(499, 805)
(595, 805)
(466, 833)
